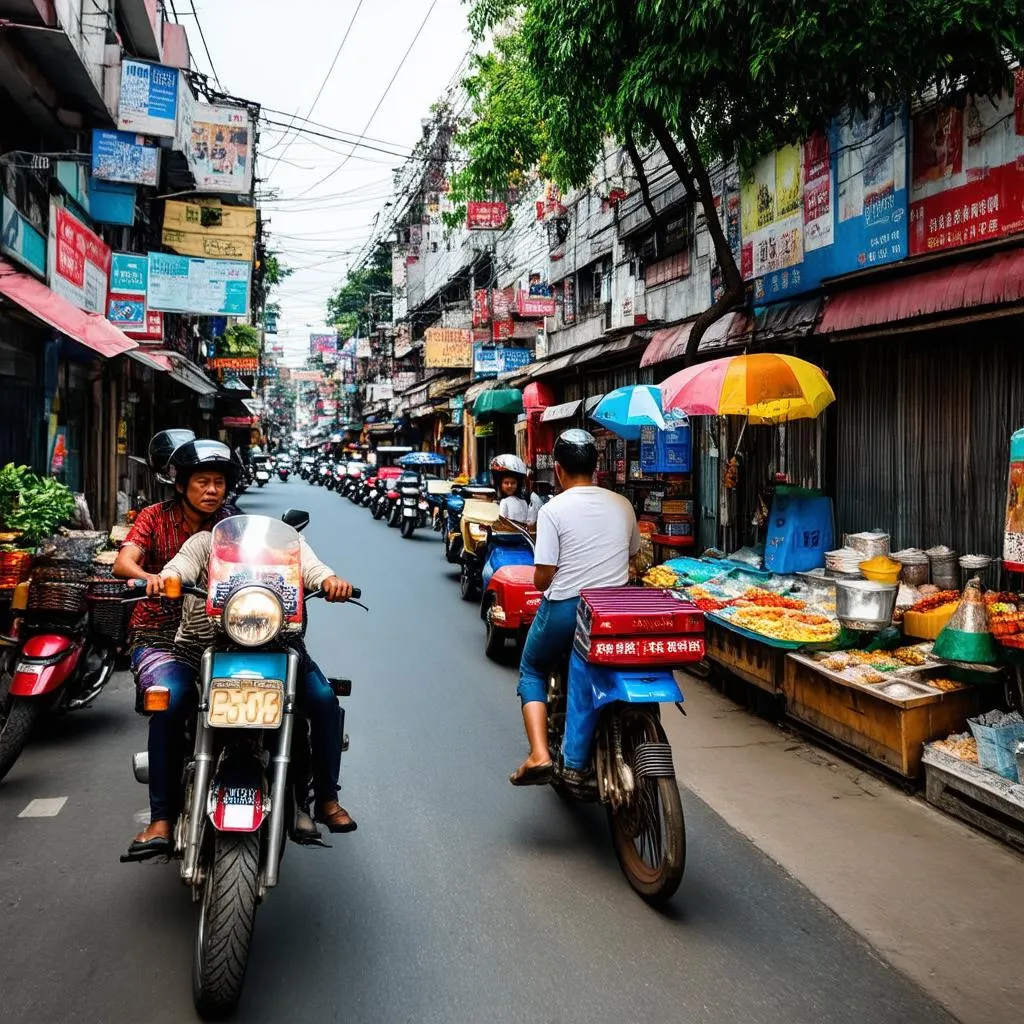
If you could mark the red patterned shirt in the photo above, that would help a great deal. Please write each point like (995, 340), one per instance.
(159, 532)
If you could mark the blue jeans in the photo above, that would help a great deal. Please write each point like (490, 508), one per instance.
(547, 645)
(167, 728)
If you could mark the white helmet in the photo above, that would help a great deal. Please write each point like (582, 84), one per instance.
(508, 465)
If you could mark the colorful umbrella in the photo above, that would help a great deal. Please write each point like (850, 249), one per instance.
(625, 411)
(763, 386)
(423, 459)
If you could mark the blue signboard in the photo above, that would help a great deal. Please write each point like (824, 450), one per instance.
(149, 98)
(185, 284)
(129, 277)
(122, 156)
(21, 241)
(111, 202)
(666, 451)
(490, 360)
(834, 205)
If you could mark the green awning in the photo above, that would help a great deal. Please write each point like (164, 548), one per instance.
(499, 402)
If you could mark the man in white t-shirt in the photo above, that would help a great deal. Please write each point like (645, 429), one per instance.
(586, 537)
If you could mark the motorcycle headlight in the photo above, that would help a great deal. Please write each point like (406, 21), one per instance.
(252, 616)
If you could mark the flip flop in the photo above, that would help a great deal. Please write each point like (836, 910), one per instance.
(535, 775)
(158, 846)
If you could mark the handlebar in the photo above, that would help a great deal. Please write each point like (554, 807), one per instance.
(140, 585)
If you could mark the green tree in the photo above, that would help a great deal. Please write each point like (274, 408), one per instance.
(706, 80)
(354, 307)
(239, 340)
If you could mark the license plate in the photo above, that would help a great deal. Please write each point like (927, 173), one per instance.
(409, 512)
(246, 703)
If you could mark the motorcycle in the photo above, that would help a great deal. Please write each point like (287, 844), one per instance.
(510, 600)
(306, 467)
(283, 472)
(59, 659)
(262, 476)
(453, 509)
(478, 520)
(414, 506)
(242, 784)
(367, 486)
(325, 476)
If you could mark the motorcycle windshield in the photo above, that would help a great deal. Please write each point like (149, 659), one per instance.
(256, 549)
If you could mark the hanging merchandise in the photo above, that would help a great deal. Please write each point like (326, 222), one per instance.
(966, 637)
(1013, 536)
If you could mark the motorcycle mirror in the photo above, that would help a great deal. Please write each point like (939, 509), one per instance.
(296, 519)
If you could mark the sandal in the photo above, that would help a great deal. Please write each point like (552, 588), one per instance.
(334, 821)
(534, 775)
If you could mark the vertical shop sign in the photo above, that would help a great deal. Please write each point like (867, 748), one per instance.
(79, 262)
(569, 300)
(481, 307)
(129, 279)
(967, 173)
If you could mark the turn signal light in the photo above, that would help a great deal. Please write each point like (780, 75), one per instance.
(172, 587)
(156, 698)
(19, 602)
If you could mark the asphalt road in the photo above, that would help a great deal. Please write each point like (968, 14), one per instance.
(460, 900)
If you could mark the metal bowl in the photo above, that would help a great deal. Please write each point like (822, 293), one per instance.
(865, 604)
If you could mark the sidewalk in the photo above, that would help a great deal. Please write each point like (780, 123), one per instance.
(938, 901)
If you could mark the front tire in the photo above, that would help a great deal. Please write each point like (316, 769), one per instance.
(377, 511)
(408, 528)
(467, 588)
(15, 730)
(227, 913)
(649, 835)
(494, 641)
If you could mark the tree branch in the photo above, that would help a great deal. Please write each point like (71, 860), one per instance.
(645, 190)
(694, 175)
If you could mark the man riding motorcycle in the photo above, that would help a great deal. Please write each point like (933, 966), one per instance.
(586, 537)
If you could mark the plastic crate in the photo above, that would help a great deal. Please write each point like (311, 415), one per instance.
(996, 745)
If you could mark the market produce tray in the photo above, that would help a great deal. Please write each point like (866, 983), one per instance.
(979, 797)
(921, 692)
(780, 645)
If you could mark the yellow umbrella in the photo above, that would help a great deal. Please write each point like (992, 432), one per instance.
(763, 386)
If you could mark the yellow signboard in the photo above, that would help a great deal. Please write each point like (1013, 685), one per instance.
(209, 229)
(448, 347)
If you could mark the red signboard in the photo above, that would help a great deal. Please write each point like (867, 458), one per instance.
(481, 307)
(486, 216)
(501, 303)
(967, 173)
(79, 263)
(241, 364)
(528, 305)
(154, 330)
(502, 330)
(236, 421)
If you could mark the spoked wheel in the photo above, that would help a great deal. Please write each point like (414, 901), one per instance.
(226, 916)
(649, 833)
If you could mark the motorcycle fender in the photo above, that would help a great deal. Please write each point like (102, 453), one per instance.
(37, 678)
(630, 686)
(237, 800)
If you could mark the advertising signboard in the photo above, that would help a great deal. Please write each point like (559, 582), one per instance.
(528, 305)
(20, 240)
(486, 216)
(129, 278)
(124, 157)
(220, 153)
(323, 343)
(79, 262)
(153, 330)
(835, 204)
(967, 172)
(184, 284)
(209, 229)
(448, 347)
(491, 360)
(240, 364)
(149, 98)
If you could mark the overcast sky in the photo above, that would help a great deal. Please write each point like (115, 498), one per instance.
(278, 54)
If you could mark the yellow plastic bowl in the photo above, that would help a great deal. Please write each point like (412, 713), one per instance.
(872, 570)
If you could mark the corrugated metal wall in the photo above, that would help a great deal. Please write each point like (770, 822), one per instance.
(922, 427)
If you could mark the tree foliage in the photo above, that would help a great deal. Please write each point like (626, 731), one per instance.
(706, 79)
(354, 307)
(239, 340)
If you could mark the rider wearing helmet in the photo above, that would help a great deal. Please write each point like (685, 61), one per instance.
(586, 537)
(508, 478)
(162, 447)
(202, 473)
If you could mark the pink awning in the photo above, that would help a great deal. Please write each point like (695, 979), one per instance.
(89, 329)
(671, 342)
(990, 281)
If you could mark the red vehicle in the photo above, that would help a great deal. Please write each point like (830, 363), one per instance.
(509, 605)
(59, 661)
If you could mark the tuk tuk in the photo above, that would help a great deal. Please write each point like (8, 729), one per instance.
(454, 503)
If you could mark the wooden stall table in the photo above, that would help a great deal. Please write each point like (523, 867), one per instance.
(759, 663)
(891, 731)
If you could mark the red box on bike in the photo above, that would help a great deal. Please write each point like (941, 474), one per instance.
(631, 626)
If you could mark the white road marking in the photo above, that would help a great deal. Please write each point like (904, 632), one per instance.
(49, 807)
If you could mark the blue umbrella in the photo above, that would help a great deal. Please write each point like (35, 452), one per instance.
(423, 459)
(625, 411)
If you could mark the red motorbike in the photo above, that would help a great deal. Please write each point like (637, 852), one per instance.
(59, 657)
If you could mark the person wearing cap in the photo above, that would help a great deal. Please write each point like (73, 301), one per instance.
(508, 478)
(586, 537)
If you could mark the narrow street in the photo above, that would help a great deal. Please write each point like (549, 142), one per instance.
(460, 900)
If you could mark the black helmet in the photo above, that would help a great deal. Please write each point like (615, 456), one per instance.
(161, 448)
(195, 455)
(576, 452)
